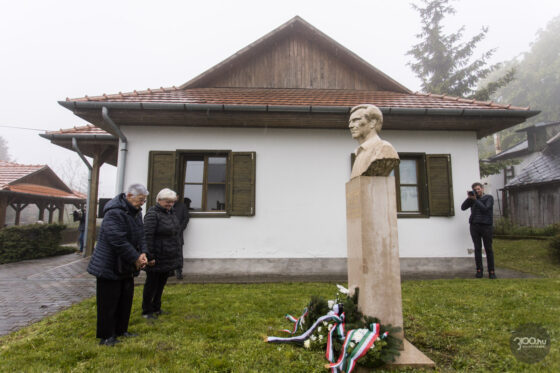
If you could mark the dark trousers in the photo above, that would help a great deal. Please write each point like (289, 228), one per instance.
(153, 290)
(482, 233)
(81, 241)
(114, 301)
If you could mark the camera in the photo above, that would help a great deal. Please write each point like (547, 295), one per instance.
(471, 193)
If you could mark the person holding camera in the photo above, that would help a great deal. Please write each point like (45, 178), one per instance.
(481, 221)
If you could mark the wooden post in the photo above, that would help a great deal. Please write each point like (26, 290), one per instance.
(92, 203)
(51, 207)
(3, 207)
(60, 213)
(41, 207)
(18, 207)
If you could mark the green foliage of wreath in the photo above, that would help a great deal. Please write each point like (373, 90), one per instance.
(384, 351)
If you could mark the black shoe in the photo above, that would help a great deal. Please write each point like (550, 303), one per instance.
(128, 335)
(161, 312)
(478, 273)
(150, 316)
(492, 275)
(111, 341)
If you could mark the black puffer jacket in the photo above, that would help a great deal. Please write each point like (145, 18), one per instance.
(162, 237)
(121, 234)
(482, 209)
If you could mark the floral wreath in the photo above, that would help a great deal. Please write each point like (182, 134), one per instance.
(341, 330)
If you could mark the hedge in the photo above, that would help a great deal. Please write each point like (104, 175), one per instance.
(30, 242)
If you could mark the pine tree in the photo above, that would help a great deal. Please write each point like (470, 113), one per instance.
(443, 62)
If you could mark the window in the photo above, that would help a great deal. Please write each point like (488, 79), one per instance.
(410, 183)
(212, 183)
(423, 185)
(205, 182)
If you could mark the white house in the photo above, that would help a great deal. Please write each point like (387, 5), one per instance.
(259, 144)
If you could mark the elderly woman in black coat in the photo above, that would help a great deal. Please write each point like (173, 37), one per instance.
(162, 229)
(118, 256)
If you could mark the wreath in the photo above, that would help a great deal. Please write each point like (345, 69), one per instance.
(339, 328)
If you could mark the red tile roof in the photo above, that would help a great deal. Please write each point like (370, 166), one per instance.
(295, 97)
(42, 190)
(10, 172)
(80, 130)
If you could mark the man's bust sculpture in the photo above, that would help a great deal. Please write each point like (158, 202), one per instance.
(374, 157)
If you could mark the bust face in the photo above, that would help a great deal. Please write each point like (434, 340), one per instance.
(359, 126)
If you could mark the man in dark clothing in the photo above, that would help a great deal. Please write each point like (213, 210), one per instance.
(118, 256)
(81, 227)
(181, 211)
(481, 221)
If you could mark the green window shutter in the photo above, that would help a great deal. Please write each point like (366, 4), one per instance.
(242, 184)
(440, 186)
(161, 174)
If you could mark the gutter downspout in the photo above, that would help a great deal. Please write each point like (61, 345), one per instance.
(123, 149)
(77, 149)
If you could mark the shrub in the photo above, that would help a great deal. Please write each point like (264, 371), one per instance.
(555, 244)
(505, 227)
(29, 242)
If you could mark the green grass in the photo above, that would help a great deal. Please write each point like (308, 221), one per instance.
(531, 256)
(463, 325)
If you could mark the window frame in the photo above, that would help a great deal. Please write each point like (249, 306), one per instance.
(182, 156)
(421, 177)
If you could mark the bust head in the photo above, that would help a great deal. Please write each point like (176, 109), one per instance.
(365, 121)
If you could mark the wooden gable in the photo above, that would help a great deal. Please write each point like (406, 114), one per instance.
(296, 55)
(45, 177)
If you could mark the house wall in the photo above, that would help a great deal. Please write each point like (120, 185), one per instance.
(300, 191)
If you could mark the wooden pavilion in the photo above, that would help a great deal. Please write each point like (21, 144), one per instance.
(101, 146)
(21, 185)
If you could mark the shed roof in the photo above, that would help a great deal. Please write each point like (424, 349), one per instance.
(543, 169)
(23, 179)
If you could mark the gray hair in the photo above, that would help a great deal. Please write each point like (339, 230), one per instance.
(166, 193)
(371, 112)
(137, 189)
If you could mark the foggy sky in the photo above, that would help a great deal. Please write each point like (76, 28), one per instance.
(51, 50)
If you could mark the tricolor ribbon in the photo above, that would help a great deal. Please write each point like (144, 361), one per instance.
(297, 322)
(362, 347)
(302, 337)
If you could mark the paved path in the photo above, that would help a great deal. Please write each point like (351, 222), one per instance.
(33, 289)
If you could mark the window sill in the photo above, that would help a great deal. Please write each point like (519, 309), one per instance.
(411, 215)
(209, 214)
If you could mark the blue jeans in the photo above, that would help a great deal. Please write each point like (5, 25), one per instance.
(81, 241)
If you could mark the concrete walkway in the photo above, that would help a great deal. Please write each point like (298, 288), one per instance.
(33, 289)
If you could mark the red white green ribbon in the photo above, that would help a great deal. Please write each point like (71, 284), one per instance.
(302, 337)
(362, 347)
(297, 322)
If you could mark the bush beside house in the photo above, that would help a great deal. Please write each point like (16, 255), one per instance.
(31, 242)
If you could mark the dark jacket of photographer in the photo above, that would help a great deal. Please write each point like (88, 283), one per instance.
(162, 230)
(121, 235)
(482, 209)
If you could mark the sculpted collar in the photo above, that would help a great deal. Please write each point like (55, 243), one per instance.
(368, 144)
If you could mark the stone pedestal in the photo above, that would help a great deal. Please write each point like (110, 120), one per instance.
(373, 255)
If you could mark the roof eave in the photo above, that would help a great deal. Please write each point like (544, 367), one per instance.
(72, 105)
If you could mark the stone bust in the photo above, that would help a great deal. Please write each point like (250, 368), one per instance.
(374, 157)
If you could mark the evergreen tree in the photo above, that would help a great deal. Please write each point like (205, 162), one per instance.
(444, 63)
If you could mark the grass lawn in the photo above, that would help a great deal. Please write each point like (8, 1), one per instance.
(463, 325)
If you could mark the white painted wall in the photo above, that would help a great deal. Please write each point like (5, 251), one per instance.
(300, 191)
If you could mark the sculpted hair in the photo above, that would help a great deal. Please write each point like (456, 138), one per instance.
(477, 184)
(166, 193)
(137, 189)
(371, 112)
